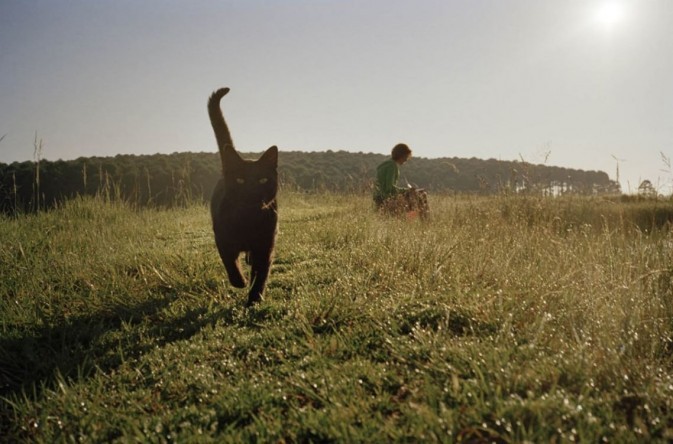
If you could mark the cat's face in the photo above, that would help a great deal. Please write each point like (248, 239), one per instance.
(252, 182)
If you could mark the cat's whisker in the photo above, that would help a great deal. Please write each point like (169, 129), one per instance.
(269, 204)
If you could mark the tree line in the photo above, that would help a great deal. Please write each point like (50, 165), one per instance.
(176, 179)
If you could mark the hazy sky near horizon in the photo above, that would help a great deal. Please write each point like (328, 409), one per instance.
(582, 84)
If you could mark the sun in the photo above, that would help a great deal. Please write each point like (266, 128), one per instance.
(610, 13)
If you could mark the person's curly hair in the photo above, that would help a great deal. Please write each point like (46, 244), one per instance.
(401, 151)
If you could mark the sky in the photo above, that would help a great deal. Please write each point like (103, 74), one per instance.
(584, 84)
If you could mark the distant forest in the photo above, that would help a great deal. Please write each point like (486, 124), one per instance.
(180, 178)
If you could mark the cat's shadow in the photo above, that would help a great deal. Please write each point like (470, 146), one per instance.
(75, 348)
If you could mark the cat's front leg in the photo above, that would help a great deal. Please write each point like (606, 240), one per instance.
(229, 258)
(259, 272)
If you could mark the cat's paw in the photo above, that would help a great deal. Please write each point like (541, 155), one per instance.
(253, 298)
(238, 281)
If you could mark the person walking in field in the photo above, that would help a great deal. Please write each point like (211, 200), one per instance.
(390, 198)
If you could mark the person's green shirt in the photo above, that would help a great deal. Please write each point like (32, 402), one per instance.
(387, 175)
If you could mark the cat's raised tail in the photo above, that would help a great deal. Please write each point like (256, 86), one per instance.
(220, 127)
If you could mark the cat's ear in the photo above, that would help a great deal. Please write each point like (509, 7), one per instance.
(270, 156)
(231, 157)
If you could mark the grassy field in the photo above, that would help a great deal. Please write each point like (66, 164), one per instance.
(503, 319)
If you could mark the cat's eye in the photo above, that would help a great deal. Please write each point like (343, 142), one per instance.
(240, 180)
(263, 180)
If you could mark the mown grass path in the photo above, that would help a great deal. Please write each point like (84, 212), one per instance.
(502, 319)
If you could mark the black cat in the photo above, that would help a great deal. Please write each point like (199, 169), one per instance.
(243, 207)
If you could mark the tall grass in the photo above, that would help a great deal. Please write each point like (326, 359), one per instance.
(503, 319)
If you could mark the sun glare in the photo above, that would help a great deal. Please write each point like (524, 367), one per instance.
(610, 13)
